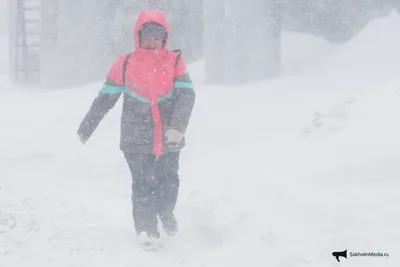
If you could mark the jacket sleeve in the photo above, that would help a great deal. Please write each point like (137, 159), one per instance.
(185, 98)
(105, 100)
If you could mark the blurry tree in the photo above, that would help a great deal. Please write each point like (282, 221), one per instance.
(215, 34)
(242, 41)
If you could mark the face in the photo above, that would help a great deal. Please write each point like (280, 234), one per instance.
(151, 42)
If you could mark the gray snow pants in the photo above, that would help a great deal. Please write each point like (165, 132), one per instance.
(155, 185)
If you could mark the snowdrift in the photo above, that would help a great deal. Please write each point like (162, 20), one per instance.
(360, 131)
(309, 53)
(372, 53)
(370, 117)
(365, 120)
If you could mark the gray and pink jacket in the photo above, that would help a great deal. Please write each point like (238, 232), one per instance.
(158, 95)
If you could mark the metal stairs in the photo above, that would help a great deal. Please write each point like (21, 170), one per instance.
(26, 41)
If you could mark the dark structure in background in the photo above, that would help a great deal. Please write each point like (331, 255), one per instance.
(24, 41)
(63, 43)
(335, 20)
(242, 41)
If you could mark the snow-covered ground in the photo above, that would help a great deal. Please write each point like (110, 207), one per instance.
(279, 173)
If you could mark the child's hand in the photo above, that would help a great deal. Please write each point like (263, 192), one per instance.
(82, 139)
(174, 136)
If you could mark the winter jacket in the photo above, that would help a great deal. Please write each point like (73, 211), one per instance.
(158, 95)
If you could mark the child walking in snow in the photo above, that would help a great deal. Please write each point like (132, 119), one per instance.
(158, 102)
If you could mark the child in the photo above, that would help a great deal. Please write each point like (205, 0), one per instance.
(158, 102)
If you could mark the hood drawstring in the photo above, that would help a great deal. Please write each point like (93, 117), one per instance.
(157, 128)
